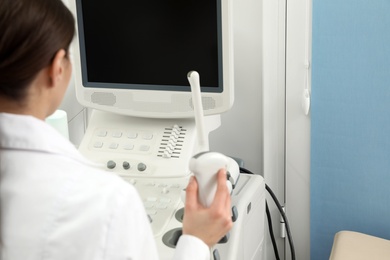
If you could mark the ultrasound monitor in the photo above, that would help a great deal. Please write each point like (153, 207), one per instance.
(132, 57)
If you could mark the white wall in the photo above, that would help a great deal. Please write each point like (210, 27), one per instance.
(75, 113)
(240, 134)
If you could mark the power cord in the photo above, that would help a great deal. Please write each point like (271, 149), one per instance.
(289, 236)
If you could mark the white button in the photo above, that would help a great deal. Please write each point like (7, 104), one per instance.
(102, 133)
(144, 148)
(128, 147)
(165, 191)
(165, 200)
(117, 134)
(113, 146)
(147, 136)
(132, 135)
(161, 206)
(98, 144)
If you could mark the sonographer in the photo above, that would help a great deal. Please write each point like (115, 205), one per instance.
(55, 204)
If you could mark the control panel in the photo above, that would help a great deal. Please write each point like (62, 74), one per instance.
(161, 198)
(140, 147)
(151, 154)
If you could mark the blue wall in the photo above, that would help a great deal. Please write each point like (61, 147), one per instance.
(350, 143)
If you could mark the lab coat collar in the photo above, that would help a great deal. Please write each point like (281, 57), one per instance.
(24, 132)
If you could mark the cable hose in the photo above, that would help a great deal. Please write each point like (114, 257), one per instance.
(271, 231)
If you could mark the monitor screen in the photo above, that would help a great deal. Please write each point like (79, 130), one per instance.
(132, 57)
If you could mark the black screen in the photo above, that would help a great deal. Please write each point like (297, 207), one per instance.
(150, 42)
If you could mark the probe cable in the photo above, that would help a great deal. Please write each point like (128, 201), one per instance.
(271, 231)
(243, 170)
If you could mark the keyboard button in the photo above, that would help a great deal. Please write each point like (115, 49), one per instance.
(165, 200)
(98, 144)
(128, 147)
(141, 167)
(113, 146)
(126, 165)
(161, 206)
(117, 134)
(111, 164)
(151, 199)
(147, 136)
(102, 133)
(144, 148)
(132, 135)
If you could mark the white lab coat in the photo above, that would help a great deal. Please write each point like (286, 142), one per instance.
(56, 205)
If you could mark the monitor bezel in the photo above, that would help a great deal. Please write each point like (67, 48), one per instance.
(158, 101)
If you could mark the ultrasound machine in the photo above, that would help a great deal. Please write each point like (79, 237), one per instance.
(135, 63)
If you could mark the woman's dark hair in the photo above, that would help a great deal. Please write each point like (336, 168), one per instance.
(31, 33)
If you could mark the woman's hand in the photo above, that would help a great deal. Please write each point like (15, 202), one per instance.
(208, 224)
